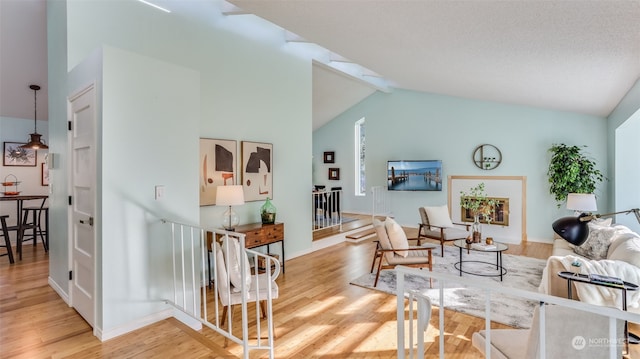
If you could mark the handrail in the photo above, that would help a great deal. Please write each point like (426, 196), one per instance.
(492, 287)
(326, 203)
(191, 277)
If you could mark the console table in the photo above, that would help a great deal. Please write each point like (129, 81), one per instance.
(258, 235)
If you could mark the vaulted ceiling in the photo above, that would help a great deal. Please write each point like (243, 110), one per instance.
(579, 56)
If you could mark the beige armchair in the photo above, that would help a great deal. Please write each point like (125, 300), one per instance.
(411, 256)
(564, 326)
(441, 227)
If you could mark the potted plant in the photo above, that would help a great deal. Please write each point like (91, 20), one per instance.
(570, 171)
(479, 204)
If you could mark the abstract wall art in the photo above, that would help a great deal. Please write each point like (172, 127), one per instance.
(217, 167)
(257, 170)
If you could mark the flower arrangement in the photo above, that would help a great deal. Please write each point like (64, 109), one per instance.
(478, 203)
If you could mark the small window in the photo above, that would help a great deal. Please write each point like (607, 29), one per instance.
(361, 183)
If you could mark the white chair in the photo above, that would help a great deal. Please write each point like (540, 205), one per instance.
(228, 282)
(436, 224)
(568, 335)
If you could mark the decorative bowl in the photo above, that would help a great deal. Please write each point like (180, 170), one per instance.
(11, 193)
(7, 184)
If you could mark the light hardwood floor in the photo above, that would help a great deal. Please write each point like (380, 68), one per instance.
(318, 315)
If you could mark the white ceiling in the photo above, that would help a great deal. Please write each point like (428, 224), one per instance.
(23, 58)
(579, 56)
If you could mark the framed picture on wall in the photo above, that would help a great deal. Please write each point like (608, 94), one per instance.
(257, 170)
(334, 173)
(329, 157)
(44, 174)
(218, 167)
(13, 155)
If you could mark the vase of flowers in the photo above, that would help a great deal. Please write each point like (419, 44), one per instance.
(478, 204)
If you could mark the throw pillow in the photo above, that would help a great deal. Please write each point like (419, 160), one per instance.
(397, 237)
(233, 254)
(598, 242)
(439, 216)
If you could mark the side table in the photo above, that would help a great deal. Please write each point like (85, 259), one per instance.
(584, 278)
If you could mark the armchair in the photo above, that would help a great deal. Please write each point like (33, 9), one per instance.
(229, 281)
(563, 325)
(403, 254)
(436, 224)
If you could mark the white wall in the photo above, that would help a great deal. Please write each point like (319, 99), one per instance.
(248, 90)
(627, 147)
(622, 134)
(408, 125)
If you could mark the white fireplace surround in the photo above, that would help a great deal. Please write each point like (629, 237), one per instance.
(512, 187)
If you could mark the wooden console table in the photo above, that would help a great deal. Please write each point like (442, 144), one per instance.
(257, 235)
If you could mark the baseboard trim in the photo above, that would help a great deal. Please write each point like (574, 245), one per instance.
(134, 325)
(59, 290)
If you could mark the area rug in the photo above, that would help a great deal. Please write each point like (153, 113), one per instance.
(522, 273)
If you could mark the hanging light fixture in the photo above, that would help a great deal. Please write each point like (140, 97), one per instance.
(35, 143)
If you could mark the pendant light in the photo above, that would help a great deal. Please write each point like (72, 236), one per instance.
(35, 143)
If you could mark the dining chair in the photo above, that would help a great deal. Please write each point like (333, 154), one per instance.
(7, 240)
(32, 221)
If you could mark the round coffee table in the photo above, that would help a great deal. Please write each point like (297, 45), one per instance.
(497, 248)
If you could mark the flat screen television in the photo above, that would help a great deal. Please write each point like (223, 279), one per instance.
(414, 175)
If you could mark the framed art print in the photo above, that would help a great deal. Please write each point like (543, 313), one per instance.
(329, 157)
(13, 155)
(257, 170)
(334, 173)
(217, 167)
(44, 174)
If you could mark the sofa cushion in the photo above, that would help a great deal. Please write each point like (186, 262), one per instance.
(439, 216)
(597, 244)
(628, 251)
(397, 237)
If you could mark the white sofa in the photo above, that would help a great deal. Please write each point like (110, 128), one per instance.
(612, 250)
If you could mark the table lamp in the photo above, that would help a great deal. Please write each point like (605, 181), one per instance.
(229, 196)
(582, 202)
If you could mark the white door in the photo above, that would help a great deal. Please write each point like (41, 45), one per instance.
(82, 209)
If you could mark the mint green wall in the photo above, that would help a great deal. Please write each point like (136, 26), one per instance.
(247, 90)
(57, 79)
(413, 125)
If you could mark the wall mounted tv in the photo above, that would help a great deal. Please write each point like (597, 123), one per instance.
(414, 175)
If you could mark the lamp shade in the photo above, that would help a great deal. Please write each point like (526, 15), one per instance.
(572, 229)
(583, 202)
(229, 195)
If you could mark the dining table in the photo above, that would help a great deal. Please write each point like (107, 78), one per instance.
(19, 199)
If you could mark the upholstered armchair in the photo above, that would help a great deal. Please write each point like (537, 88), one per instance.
(563, 325)
(436, 224)
(393, 249)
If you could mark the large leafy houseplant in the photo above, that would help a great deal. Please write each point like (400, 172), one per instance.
(571, 171)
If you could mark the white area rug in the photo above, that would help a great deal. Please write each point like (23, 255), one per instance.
(522, 273)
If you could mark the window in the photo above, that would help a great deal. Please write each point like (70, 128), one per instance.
(359, 156)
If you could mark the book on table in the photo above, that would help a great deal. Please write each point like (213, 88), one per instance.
(483, 246)
(605, 279)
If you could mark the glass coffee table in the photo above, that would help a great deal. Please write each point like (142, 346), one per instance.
(496, 248)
